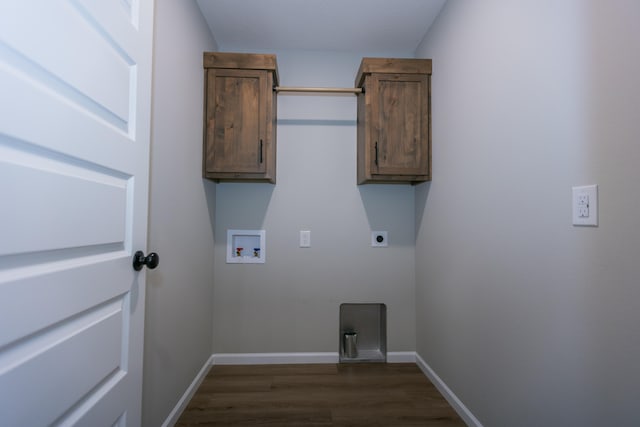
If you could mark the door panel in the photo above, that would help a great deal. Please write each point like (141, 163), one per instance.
(235, 120)
(98, 58)
(401, 113)
(75, 78)
(95, 340)
(39, 306)
(60, 202)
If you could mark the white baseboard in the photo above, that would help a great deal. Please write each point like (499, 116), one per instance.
(453, 400)
(401, 357)
(273, 358)
(298, 358)
(188, 394)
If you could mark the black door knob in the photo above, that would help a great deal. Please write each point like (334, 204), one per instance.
(139, 260)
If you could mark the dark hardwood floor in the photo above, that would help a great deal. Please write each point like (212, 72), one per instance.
(359, 395)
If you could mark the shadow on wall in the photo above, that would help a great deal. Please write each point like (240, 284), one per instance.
(422, 194)
(210, 195)
(386, 206)
(246, 204)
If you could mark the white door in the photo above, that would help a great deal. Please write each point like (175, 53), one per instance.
(75, 82)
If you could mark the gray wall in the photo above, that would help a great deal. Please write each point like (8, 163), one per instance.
(529, 320)
(179, 291)
(291, 303)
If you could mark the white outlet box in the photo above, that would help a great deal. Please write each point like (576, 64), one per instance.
(585, 205)
(246, 247)
(305, 238)
(379, 239)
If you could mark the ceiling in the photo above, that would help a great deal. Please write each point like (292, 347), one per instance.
(336, 25)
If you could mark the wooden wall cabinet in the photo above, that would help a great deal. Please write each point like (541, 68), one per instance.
(240, 117)
(394, 120)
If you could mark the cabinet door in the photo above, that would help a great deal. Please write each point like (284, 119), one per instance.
(400, 115)
(236, 117)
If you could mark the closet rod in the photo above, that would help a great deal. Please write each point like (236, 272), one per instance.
(354, 90)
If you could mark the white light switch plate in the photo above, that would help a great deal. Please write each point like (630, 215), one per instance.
(585, 205)
(305, 238)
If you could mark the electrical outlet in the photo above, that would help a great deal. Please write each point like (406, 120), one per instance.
(379, 239)
(585, 205)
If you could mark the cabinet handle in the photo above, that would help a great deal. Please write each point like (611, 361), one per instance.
(260, 151)
(376, 159)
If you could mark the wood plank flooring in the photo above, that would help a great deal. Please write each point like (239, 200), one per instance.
(357, 395)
